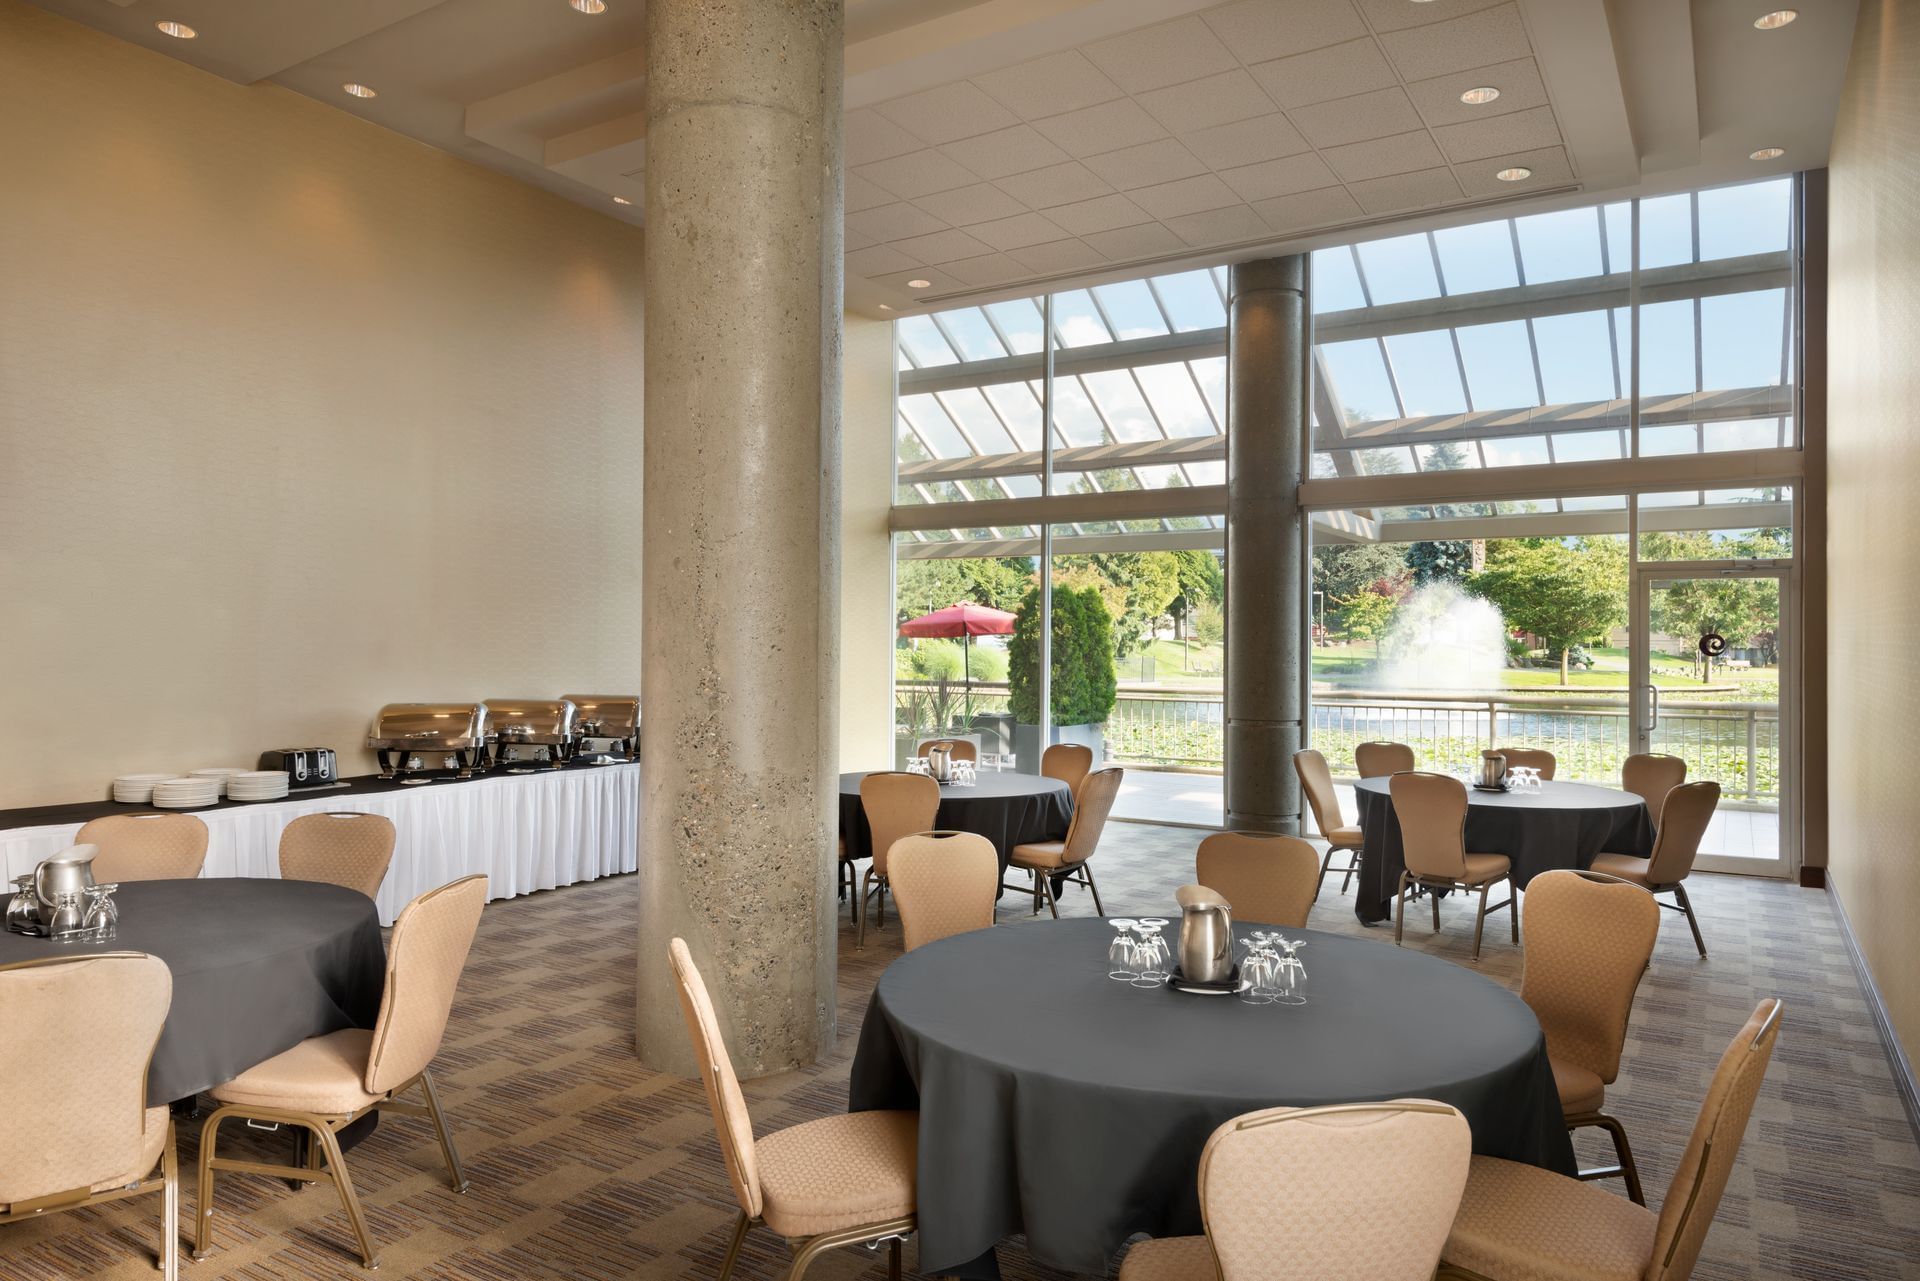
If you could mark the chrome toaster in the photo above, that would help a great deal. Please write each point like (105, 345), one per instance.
(407, 736)
(610, 719)
(530, 723)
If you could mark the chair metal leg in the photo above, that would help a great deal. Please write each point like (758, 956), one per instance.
(1036, 890)
(860, 912)
(733, 1246)
(1320, 880)
(439, 1119)
(893, 1260)
(1513, 910)
(1400, 911)
(1623, 1166)
(170, 1209)
(1480, 919)
(879, 902)
(1352, 869)
(203, 1202)
(1693, 922)
(337, 1167)
(1436, 909)
(1094, 890)
(1046, 891)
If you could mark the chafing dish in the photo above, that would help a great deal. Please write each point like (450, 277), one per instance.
(613, 719)
(530, 722)
(405, 735)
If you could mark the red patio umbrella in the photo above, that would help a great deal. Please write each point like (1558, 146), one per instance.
(965, 620)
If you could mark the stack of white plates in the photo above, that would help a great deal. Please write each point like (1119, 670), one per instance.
(186, 793)
(220, 775)
(136, 789)
(257, 785)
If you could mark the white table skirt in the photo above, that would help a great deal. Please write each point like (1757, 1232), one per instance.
(527, 832)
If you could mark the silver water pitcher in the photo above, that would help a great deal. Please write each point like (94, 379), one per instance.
(1206, 935)
(940, 762)
(68, 872)
(1493, 769)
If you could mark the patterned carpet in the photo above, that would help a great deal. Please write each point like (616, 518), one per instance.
(585, 1166)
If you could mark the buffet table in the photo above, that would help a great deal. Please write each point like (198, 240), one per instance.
(525, 832)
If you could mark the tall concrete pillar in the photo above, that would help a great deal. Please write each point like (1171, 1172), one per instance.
(740, 584)
(1266, 592)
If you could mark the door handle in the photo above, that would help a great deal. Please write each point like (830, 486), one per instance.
(1653, 707)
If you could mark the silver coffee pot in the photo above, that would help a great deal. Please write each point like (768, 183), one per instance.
(70, 872)
(1493, 769)
(1206, 934)
(940, 762)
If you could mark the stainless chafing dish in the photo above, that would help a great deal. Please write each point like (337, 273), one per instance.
(403, 732)
(530, 722)
(610, 718)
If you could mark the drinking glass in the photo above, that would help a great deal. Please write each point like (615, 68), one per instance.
(1120, 951)
(1256, 973)
(1155, 956)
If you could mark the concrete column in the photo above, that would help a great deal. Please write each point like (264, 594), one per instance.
(1266, 594)
(742, 510)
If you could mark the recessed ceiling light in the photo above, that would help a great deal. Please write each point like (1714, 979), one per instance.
(178, 30)
(589, 6)
(1480, 97)
(1519, 173)
(621, 200)
(1768, 153)
(1775, 20)
(919, 284)
(359, 90)
(884, 307)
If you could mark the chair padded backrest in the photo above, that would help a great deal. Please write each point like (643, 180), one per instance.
(961, 748)
(1589, 938)
(943, 883)
(80, 1032)
(1302, 1192)
(1090, 810)
(429, 949)
(1377, 760)
(1531, 757)
(146, 847)
(1267, 878)
(340, 849)
(731, 1120)
(1650, 776)
(897, 804)
(1683, 821)
(1701, 1177)
(1432, 809)
(1316, 780)
(1068, 762)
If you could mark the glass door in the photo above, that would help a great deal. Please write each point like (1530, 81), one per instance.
(1711, 655)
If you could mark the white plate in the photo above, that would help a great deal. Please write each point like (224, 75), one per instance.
(144, 778)
(219, 771)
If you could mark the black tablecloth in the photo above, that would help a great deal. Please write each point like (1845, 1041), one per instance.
(258, 967)
(1082, 1123)
(1561, 825)
(1007, 809)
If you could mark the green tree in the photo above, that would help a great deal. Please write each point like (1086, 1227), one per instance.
(922, 586)
(1085, 684)
(1447, 561)
(1367, 615)
(1148, 583)
(1566, 593)
(1746, 611)
(1202, 582)
(1342, 571)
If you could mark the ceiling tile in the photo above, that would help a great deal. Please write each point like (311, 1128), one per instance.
(1017, 232)
(1491, 35)
(851, 240)
(1102, 214)
(894, 222)
(1338, 71)
(1402, 153)
(948, 113)
(1218, 226)
(1168, 53)
(1146, 165)
(1419, 190)
(1189, 195)
(1107, 127)
(1270, 178)
(1148, 240)
(938, 281)
(989, 269)
(1323, 208)
(918, 173)
(1549, 164)
(1438, 100)
(1246, 142)
(1261, 29)
(1015, 150)
(870, 136)
(1365, 115)
(1398, 15)
(1201, 104)
(982, 202)
(861, 194)
(1054, 185)
(1498, 135)
(876, 259)
(941, 246)
(1047, 86)
(1057, 256)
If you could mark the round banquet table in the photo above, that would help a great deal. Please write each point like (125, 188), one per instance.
(258, 967)
(1008, 809)
(1560, 826)
(1080, 1121)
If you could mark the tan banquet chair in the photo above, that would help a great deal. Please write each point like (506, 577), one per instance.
(963, 748)
(1650, 776)
(1530, 758)
(350, 850)
(1068, 762)
(80, 1033)
(896, 804)
(1316, 780)
(146, 847)
(1345, 1169)
(326, 1083)
(1378, 760)
(1267, 878)
(943, 883)
(1432, 810)
(1589, 938)
(1683, 821)
(1521, 1223)
(846, 1179)
(1068, 858)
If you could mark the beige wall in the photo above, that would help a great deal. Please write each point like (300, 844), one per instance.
(866, 573)
(297, 418)
(1873, 562)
